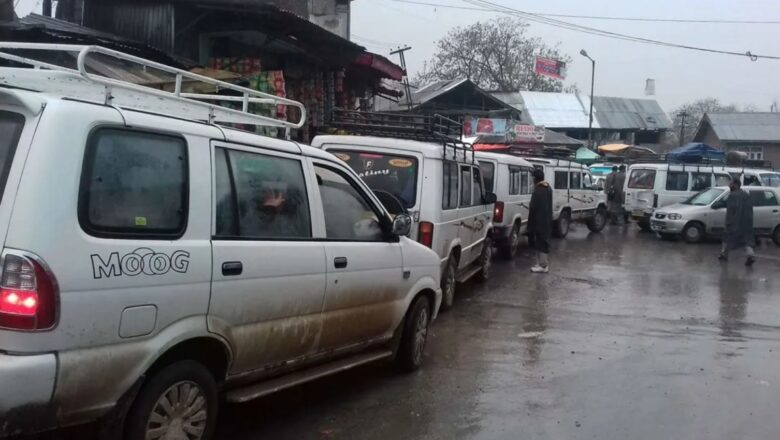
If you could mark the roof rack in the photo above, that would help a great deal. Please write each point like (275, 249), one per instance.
(89, 86)
(426, 128)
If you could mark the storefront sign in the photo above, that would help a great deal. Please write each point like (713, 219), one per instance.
(550, 67)
(527, 133)
(484, 126)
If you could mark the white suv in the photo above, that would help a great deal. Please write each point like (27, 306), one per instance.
(150, 262)
(438, 183)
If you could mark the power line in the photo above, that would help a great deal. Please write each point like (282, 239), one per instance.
(375, 43)
(593, 31)
(596, 17)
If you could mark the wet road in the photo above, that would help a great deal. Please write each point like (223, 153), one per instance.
(629, 337)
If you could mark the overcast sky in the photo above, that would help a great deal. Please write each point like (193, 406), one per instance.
(622, 67)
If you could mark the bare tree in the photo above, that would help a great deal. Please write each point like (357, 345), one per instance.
(694, 111)
(496, 55)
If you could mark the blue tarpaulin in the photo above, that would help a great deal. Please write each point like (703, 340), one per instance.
(696, 152)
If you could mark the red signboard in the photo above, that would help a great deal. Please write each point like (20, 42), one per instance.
(550, 67)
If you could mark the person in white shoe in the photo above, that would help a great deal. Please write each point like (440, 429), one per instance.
(540, 222)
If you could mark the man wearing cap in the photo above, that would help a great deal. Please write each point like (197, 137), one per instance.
(739, 224)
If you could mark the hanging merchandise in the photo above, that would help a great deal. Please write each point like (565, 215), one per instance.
(243, 66)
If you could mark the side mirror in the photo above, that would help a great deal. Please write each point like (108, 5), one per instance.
(489, 198)
(402, 225)
(390, 202)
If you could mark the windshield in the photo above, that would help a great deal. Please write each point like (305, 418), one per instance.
(771, 179)
(396, 175)
(600, 171)
(705, 197)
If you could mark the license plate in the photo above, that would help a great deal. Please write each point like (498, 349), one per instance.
(657, 226)
(639, 213)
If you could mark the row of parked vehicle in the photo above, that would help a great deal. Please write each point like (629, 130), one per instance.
(689, 200)
(154, 260)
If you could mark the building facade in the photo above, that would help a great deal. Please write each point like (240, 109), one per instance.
(755, 134)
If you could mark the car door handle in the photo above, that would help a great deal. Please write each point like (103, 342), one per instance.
(232, 268)
(340, 262)
(775, 211)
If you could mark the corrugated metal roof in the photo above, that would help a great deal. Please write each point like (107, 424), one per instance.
(552, 110)
(750, 127)
(627, 113)
(433, 90)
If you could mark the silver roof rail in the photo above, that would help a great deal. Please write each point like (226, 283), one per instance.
(130, 95)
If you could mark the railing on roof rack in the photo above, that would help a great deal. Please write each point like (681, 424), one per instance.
(130, 95)
(425, 128)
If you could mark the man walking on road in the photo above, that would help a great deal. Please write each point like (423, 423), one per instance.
(619, 196)
(739, 224)
(540, 222)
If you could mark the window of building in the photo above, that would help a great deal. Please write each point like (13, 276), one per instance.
(348, 215)
(260, 197)
(561, 180)
(753, 153)
(677, 181)
(134, 184)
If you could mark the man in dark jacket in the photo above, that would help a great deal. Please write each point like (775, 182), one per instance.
(540, 221)
(739, 223)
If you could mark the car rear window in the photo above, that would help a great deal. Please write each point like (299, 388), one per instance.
(396, 175)
(134, 184)
(11, 125)
(642, 179)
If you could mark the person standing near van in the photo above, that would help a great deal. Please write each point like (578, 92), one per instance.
(739, 224)
(620, 195)
(609, 190)
(540, 222)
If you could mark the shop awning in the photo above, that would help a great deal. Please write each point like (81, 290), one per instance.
(586, 154)
(613, 148)
(380, 65)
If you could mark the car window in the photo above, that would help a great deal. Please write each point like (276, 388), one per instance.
(394, 174)
(260, 196)
(450, 186)
(488, 175)
(677, 181)
(749, 180)
(771, 179)
(587, 181)
(642, 179)
(465, 186)
(705, 197)
(11, 125)
(575, 180)
(134, 183)
(525, 182)
(700, 181)
(561, 180)
(515, 180)
(722, 180)
(763, 198)
(479, 192)
(348, 215)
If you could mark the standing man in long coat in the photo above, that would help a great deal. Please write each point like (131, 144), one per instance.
(609, 190)
(620, 195)
(739, 224)
(540, 222)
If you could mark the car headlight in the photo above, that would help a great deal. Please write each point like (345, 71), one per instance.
(675, 217)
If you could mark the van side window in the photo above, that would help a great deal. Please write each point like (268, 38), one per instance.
(748, 180)
(465, 186)
(587, 181)
(450, 186)
(134, 184)
(722, 180)
(701, 181)
(479, 192)
(575, 180)
(515, 180)
(642, 179)
(488, 174)
(525, 182)
(260, 197)
(677, 181)
(561, 180)
(348, 215)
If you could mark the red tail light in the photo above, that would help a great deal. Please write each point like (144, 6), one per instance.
(498, 212)
(426, 234)
(28, 294)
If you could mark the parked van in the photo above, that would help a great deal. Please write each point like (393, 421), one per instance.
(755, 176)
(152, 260)
(509, 177)
(654, 185)
(440, 184)
(575, 196)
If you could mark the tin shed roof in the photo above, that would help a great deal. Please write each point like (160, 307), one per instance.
(627, 114)
(552, 110)
(752, 127)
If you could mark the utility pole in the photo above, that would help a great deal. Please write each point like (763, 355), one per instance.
(407, 88)
(592, 86)
(683, 114)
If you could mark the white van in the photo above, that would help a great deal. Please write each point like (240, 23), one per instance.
(439, 184)
(575, 196)
(509, 177)
(755, 176)
(152, 260)
(653, 185)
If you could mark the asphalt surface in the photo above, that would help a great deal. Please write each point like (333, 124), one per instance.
(629, 337)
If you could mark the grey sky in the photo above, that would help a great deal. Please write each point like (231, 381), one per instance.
(622, 67)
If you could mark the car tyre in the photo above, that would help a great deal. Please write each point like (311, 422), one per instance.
(562, 225)
(448, 282)
(509, 249)
(178, 401)
(598, 221)
(415, 333)
(693, 233)
(485, 259)
(776, 236)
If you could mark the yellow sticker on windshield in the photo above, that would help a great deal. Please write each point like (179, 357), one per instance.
(140, 221)
(342, 156)
(401, 163)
